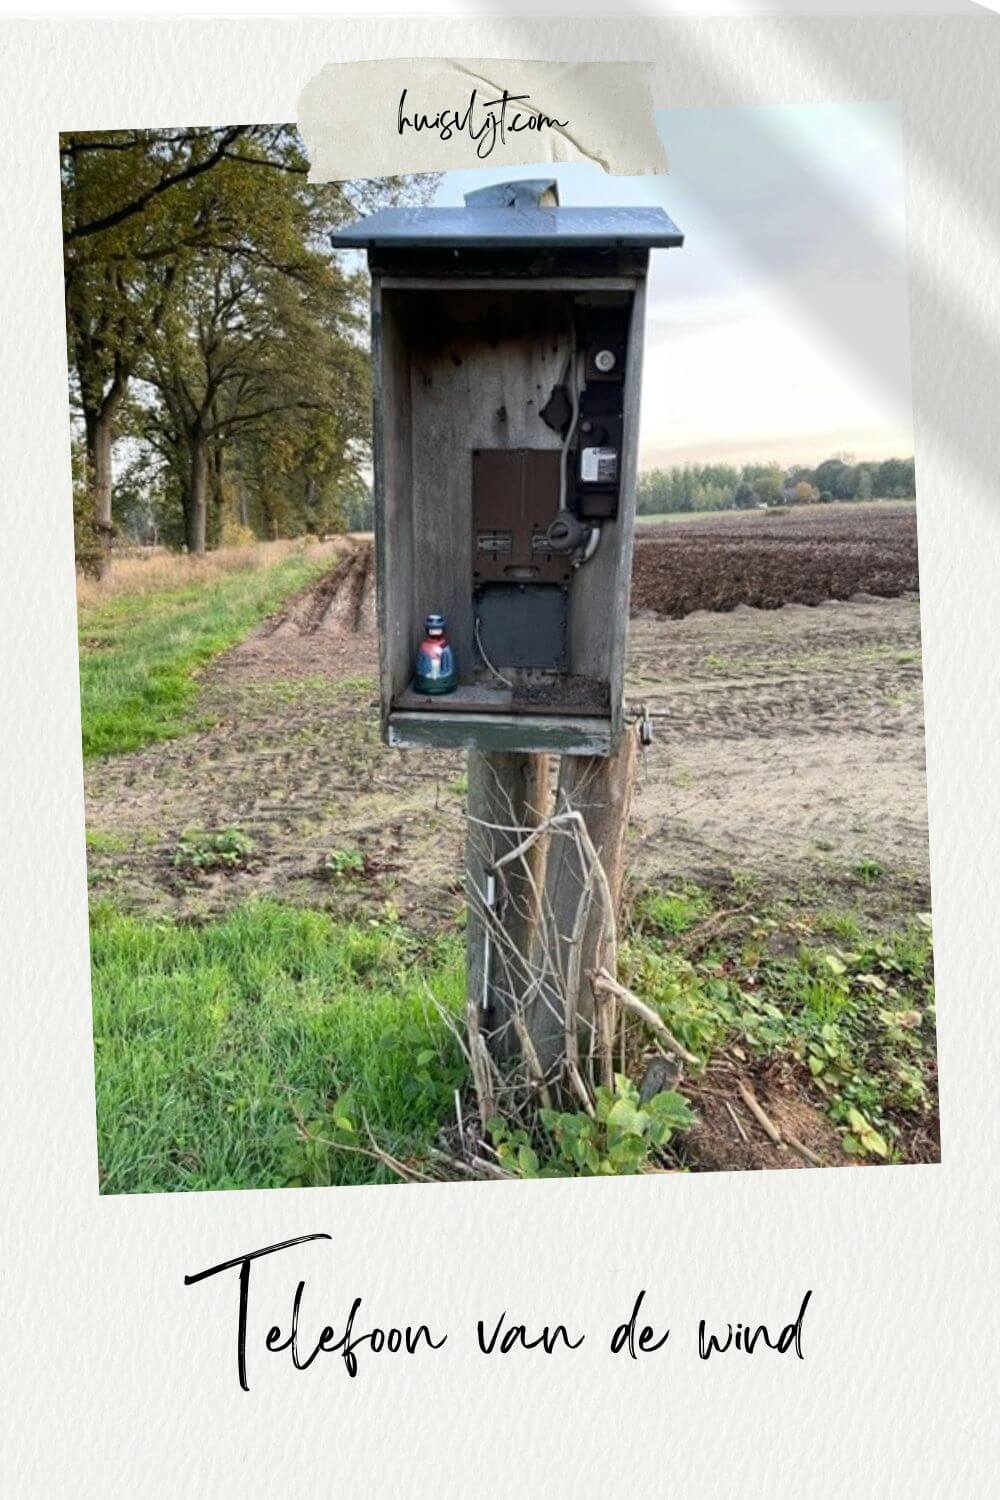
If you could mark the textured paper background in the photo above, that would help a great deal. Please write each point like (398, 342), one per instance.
(349, 116)
(117, 1380)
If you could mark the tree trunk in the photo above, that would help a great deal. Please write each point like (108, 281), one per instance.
(216, 466)
(600, 789)
(237, 479)
(196, 497)
(268, 524)
(99, 434)
(99, 466)
(507, 791)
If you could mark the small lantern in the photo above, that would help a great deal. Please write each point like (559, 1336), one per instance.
(507, 354)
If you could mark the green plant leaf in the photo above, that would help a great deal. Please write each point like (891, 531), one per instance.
(672, 1109)
(625, 1117)
(528, 1161)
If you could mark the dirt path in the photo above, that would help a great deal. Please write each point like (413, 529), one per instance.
(788, 746)
(290, 755)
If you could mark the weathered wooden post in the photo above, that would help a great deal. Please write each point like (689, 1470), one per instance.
(599, 789)
(508, 792)
(507, 354)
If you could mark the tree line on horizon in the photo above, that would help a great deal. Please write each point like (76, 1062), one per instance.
(701, 487)
(219, 379)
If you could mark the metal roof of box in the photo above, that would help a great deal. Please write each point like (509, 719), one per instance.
(512, 215)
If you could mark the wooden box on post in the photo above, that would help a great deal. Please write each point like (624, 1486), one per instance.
(507, 354)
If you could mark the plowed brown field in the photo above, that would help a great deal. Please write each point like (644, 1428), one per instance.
(766, 559)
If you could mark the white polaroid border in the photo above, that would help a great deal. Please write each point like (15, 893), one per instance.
(118, 1379)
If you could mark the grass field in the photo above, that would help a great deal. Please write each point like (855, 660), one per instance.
(144, 636)
(221, 1049)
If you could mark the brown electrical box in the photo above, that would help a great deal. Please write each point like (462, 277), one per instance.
(515, 500)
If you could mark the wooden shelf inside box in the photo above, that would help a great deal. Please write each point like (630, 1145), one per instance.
(581, 697)
(528, 734)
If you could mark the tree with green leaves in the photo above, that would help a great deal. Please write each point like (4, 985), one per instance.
(127, 221)
(203, 304)
(768, 485)
(249, 348)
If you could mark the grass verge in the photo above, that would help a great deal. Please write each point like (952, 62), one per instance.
(213, 1042)
(851, 1012)
(256, 1051)
(140, 651)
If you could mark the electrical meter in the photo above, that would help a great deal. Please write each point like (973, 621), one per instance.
(599, 423)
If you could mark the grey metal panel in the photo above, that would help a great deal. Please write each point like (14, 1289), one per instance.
(525, 264)
(523, 625)
(486, 228)
(562, 736)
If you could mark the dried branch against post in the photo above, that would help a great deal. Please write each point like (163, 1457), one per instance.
(603, 980)
(750, 1100)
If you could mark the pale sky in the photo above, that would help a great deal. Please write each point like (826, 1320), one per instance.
(780, 329)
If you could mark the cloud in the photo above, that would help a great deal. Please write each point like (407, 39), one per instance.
(781, 327)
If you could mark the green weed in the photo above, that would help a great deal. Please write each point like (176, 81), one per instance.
(860, 1019)
(670, 913)
(99, 842)
(343, 862)
(841, 924)
(621, 1137)
(228, 849)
